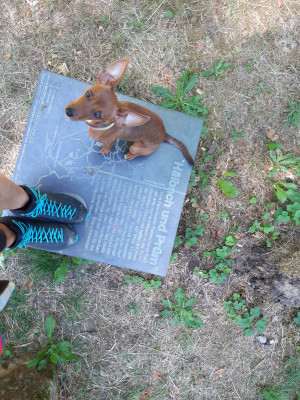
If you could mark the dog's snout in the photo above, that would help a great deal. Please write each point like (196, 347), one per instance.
(69, 112)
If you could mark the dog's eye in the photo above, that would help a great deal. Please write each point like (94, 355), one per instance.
(98, 115)
(88, 93)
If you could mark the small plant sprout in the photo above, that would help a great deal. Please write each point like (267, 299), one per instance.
(191, 235)
(219, 257)
(182, 311)
(237, 134)
(132, 307)
(284, 163)
(180, 101)
(152, 284)
(216, 70)
(297, 319)
(55, 353)
(250, 321)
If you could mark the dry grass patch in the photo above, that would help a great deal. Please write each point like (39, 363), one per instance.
(135, 354)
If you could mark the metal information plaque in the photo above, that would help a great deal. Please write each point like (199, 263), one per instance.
(134, 206)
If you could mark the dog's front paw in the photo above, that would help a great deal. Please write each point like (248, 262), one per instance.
(129, 156)
(105, 150)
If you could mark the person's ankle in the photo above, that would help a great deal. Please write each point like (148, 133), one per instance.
(10, 235)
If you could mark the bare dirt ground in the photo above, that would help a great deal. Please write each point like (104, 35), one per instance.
(127, 355)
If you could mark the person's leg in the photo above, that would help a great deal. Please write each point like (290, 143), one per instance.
(12, 196)
(7, 237)
(38, 219)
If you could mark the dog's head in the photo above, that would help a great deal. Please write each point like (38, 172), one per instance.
(99, 105)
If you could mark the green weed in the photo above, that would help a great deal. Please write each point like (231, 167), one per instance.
(200, 179)
(191, 235)
(289, 389)
(220, 271)
(216, 70)
(131, 307)
(149, 285)
(297, 319)
(45, 264)
(284, 163)
(250, 321)
(227, 188)
(18, 311)
(182, 311)
(292, 114)
(55, 353)
(180, 101)
(261, 88)
(237, 134)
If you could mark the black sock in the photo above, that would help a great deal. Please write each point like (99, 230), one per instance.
(3, 239)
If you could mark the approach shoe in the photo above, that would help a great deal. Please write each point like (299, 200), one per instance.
(58, 207)
(43, 235)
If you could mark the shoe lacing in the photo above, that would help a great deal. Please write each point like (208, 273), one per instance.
(38, 234)
(50, 207)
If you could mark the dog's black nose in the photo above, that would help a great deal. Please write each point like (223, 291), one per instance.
(69, 112)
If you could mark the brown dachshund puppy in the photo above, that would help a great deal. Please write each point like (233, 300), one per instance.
(109, 119)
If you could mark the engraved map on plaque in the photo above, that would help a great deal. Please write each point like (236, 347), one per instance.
(134, 206)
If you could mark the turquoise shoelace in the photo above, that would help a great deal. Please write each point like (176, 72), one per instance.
(49, 207)
(32, 234)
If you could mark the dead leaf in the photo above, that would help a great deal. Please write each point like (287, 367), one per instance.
(201, 45)
(62, 69)
(289, 175)
(158, 374)
(29, 285)
(176, 390)
(100, 28)
(271, 134)
(7, 55)
(43, 107)
(219, 371)
(146, 393)
(212, 148)
(96, 55)
(199, 91)
(280, 3)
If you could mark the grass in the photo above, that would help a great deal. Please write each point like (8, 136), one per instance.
(128, 350)
(289, 389)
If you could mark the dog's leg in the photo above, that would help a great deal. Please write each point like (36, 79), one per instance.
(140, 149)
(106, 148)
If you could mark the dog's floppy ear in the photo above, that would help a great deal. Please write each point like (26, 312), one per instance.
(126, 117)
(112, 74)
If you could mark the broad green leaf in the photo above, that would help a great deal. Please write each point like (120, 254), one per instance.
(297, 319)
(190, 302)
(179, 296)
(49, 326)
(174, 256)
(255, 311)
(162, 92)
(42, 364)
(175, 321)
(280, 193)
(61, 272)
(167, 303)
(169, 14)
(227, 188)
(190, 85)
(32, 363)
(272, 155)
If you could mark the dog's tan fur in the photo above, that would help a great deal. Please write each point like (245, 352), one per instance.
(110, 119)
